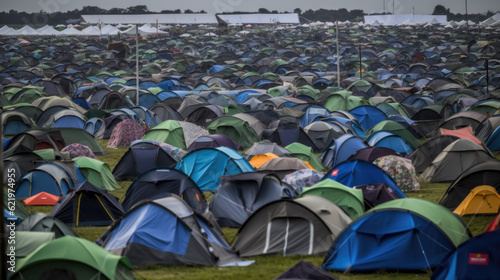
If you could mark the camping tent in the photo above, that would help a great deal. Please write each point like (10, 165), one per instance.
(88, 205)
(305, 226)
(199, 166)
(481, 200)
(241, 195)
(166, 231)
(45, 223)
(401, 234)
(97, 173)
(81, 259)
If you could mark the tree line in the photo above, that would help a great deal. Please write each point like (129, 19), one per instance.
(40, 18)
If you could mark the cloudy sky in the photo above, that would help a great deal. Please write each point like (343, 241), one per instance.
(213, 6)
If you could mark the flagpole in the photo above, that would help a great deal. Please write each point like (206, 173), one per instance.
(338, 56)
(137, 64)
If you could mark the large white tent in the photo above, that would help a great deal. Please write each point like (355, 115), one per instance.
(407, 19)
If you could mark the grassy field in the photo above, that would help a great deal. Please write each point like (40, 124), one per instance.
(265, 267)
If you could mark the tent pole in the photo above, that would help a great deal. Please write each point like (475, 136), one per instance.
(338, 56)
(137, 64)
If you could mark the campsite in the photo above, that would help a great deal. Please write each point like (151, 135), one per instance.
(369, 150)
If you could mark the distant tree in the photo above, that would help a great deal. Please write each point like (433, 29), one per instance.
(166, 12)
(274, 12)
(263, 11)
(139, 9)
(297, 11)
(188, 11)
(178, 11)
(115, 11)
(92, 10)
(440, 10)
(202, 12)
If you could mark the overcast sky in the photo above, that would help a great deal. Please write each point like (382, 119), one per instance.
(214, 6)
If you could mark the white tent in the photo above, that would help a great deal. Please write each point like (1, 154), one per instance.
(71, 31)
(47, 30)
(491, 20)
(92, 31)
(7, 31)
(26, 30)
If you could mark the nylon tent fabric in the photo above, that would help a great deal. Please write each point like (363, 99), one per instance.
(368, 116)
(303, 178)
(484, 173)
(79, 150)
(311, 223)
(341, 149)
(372, 153)
(424, 232)
(401, 171)
(259, 160)
(492, 143)
(454, 160)
(167, 232)
(264, 147)
(306, 154)
(241, 195)
(477, 258)
(176, 133)
(27, 242)
(323, 133)
(84, 259)
(161, 182)
(387, 139)
(398, 129)
(97, 173)
(350, 200)
(144, 155)
(44, 223)
(465, 132)
(88, 205)
(305, 271)
(282, 166)
(375, 194)
(423, 156)
(357, 172)
(213, 141)
(124, 133)
(239, 130)
(198, 165)
(481, 200)
(42, 198)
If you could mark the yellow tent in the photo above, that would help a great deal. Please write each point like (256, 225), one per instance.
(481, 200)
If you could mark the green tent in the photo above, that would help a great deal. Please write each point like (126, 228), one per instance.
(451, 224)
(75, 135)
(305, 153)
(28, 241)
(176, 133)
(235, 128)
(348, 199)
(79, 257)
(97, 173)
(343, 100)
(396, 128)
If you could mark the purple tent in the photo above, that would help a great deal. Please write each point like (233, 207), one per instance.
(213, 141)
(372, 153)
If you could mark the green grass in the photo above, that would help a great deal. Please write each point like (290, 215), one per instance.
(265, 267)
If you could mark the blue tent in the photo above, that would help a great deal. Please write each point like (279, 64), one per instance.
(206, 165)
(50, 177)
(357, 172)
(312, 113)
(478, 258)
(387, 139)
(402, 234)
(368, 116)
(167, 232)
(493, 142)
(341, 149)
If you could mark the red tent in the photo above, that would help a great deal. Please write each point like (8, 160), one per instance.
(494, 224)
(42, 198)
(465, 132)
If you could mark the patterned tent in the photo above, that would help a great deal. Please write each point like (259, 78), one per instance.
(401, 170)
(79, 150)
(124, 133)
(303, 178)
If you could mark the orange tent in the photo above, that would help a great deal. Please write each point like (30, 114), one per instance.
(42, 198)
(258, 160)
(481, 200)
(465, 132)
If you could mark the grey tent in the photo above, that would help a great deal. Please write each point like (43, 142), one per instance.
(454, 160)
(305, 226)
(28, 241)
(45, 223)
(240, 195)
(264, 147)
